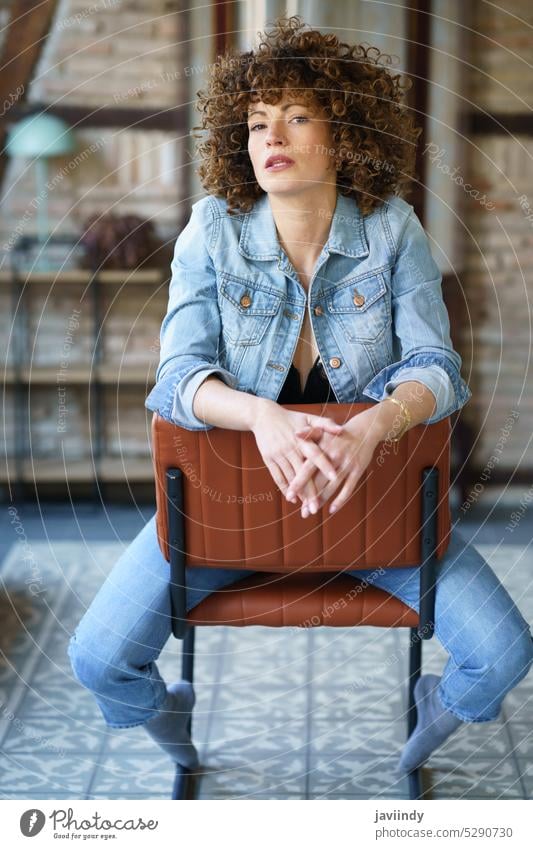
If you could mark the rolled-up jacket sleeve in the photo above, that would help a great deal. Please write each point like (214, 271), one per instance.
(191, 329)
(421, 328)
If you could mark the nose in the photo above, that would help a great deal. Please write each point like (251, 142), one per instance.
(275, 133)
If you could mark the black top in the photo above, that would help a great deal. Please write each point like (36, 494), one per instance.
(317, 387)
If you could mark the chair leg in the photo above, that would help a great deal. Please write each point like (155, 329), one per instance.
(187, 656)
(415, 666)
(184, 780)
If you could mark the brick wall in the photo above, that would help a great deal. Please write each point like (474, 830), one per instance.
(120, 54)
(502, 44)
(123, 54)
(498, 243)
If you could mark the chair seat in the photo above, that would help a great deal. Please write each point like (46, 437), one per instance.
(305, 600)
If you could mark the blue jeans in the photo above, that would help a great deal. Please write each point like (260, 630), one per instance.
(115, 646)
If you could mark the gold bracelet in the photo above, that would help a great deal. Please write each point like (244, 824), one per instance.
(403, 406)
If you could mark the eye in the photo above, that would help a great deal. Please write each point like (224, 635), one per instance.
(298, 118)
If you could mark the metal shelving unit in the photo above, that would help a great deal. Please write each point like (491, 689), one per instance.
(100, 468)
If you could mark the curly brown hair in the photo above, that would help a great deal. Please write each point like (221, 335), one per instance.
(374, 133)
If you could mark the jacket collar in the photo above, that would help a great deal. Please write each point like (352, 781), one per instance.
(259, 238)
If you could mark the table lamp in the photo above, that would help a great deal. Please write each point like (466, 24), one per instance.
(40, 137)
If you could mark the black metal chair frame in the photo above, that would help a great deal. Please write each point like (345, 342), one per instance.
(183, 786)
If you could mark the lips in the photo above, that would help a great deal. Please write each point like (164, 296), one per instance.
(278, 161)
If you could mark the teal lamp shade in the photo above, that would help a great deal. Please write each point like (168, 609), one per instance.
(39, 137)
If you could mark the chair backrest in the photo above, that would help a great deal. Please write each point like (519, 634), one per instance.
(236, 517)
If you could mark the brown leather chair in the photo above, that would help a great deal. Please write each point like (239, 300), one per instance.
(217, 506)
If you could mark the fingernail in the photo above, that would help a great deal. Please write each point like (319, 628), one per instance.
(332, 508)
(332, 476)
(312, 507)
(305, 513)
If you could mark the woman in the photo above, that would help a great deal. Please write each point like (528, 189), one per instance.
(304, 277)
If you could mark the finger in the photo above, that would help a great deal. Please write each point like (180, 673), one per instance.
(296, 457)
(296, 460)
(310, 501)
(346, 491)
(316, 431)
(316, 460)
(326, 424)
(321, 460)
(278, 476)
(324, 488)
(287, 470)
(300, 480)
(309, 433)
(307, 491)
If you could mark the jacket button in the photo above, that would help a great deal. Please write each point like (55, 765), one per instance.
(358, 299)
(334, 362)
(245, 301)
(318, 311)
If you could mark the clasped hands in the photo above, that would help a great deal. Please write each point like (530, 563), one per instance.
(309, 456)
(348, 453)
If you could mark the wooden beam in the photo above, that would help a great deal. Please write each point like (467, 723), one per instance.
(172, 118)
(479, 123)
(224, 25)
(26, 33)
(418, 68)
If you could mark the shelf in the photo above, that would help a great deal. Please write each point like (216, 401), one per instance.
(135, 375)
(77, 275)
(111, 469)
(107, 374)
(48, 470)
(117, 385)
(127, 468)
(45, 376)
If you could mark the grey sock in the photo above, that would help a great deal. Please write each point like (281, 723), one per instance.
(434, 724)
(169, 728)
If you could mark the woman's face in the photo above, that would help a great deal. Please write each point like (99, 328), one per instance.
(290, 146)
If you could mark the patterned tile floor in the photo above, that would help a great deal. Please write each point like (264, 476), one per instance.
(279, 713)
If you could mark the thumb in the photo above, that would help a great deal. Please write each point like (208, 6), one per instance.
(326, 424)
(318, 427)
(309, 432)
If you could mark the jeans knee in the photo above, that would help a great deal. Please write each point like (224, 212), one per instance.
(515, 660)
(523, 653)
(90, 670)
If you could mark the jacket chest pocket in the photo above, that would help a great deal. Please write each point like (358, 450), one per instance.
(362, 307)
(246, 310)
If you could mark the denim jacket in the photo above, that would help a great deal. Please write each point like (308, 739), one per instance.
(236, 308)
